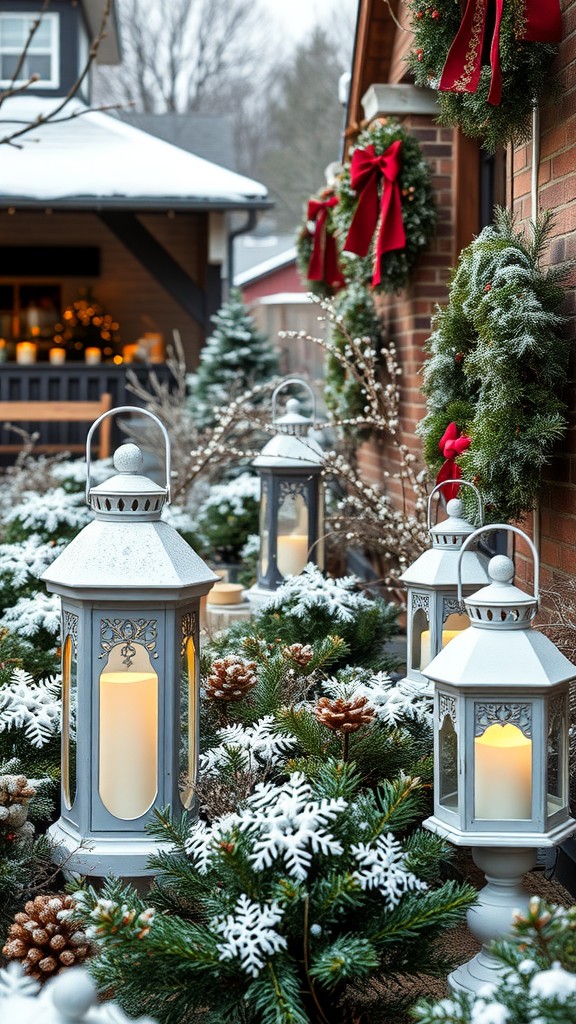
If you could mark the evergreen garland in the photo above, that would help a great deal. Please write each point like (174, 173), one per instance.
(525, 67)
(497, 365)
(418, 212)
(356, 317)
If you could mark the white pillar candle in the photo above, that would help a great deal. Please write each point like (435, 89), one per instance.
(92, 356)
(128, 758)
(425, 651)
(292, 553)
(26, 352)
(503, 774)
(57, 356)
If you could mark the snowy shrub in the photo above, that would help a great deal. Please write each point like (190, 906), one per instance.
(228, 516)
(285, 902)
(538, 980)
(56, 514)
(30, 615)
(34, 707)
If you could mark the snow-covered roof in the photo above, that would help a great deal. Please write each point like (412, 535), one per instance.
(98, 160)
(282, 259)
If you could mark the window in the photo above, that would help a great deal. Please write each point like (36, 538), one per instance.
(41, 55)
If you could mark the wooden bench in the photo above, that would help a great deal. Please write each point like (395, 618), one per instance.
(59, 412)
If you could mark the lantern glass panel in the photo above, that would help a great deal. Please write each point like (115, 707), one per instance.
(421, 652)
(448, 750)
(292, 543)
(453, 626)
(503, 773)
(264, 531)
(128, 749)
(69, 701)
(556, 759)
(188, 700)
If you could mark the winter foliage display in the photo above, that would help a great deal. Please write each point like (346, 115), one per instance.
(538, 983)
(278, 910)
(34, 707)
(497, 365)
(525, 68)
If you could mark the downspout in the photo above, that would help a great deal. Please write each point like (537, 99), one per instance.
(535, 211)
(249, 224)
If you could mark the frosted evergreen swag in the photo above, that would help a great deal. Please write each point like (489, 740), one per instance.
(282, 911)
(317, 251)
(417, 208)
(235, 357)
(539, 980)
(497, 366)
(355, 317)
(525, 68)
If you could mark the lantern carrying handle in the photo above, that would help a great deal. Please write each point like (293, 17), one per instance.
(285, 384)
(462, 483)
(509, 529)
(140, 412)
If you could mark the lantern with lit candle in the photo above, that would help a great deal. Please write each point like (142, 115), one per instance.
(501, 747)
(291, 497)
(433, 615)
(130, 589)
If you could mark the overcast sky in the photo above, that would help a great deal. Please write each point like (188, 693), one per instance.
(299, 16)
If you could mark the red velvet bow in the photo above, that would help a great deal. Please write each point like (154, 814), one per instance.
(542, 24)
(366, 169)
(451, 445)
(323, 265)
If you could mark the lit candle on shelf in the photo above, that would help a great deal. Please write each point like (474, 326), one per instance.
(129, 353)
(26, 352)
(57, 356)
(503, 773)
(92, 356)
(292, 553)
(425, 651)
(128, 742)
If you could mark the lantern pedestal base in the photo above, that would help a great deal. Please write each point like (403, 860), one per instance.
(96, 856)
(492, 916)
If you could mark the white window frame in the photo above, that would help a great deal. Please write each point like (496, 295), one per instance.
(52, 50)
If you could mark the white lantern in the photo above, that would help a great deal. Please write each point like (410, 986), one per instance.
(291, 497)
(433, 613)
(501, 747)
(131, 589)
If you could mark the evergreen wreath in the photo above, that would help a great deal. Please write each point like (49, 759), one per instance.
(317, 251)
(496, 367)
(416, 204)
(524, 68)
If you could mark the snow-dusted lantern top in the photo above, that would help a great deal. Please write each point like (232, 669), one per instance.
(434, 616)
(501, 720)
(291, 502)
(131, 589)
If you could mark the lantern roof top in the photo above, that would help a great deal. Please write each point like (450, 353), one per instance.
(455, 526)
(128, 546)
(501, 605)
(292, 446)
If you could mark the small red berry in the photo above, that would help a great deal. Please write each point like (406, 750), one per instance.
(420, 15)
(458, 357)
(419, 54)
(435, 15)
(488, 288)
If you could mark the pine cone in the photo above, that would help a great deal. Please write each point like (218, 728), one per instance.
(231, 678)
(344, 715)
(15, 795)
(43, 940)
(302, 654)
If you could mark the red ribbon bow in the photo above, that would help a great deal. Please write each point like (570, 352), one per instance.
(366, 170)
(323, 265)
(451, 445)
(542, 24)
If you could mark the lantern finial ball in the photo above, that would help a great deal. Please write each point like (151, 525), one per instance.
(501, 569)
(293, 405)
(128, 459)
(454, 507)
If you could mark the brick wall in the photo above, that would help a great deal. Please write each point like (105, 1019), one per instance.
(407, 315)
(554, 524)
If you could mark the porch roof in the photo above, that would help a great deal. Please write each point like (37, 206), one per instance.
(96, 161)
